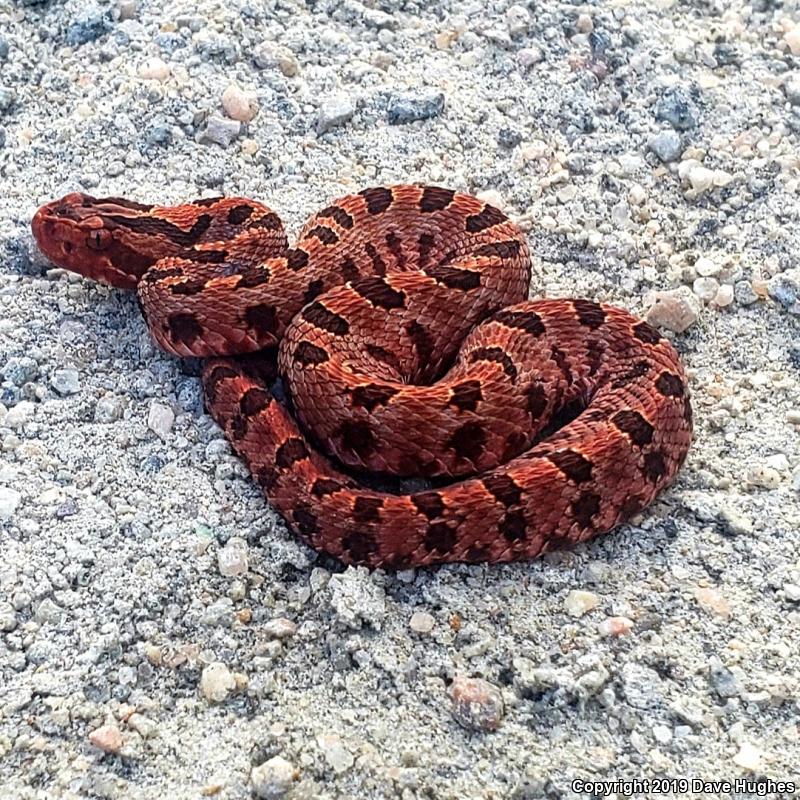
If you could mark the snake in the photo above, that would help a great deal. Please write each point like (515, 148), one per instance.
(385, 378)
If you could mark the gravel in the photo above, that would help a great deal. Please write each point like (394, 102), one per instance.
(162, 635)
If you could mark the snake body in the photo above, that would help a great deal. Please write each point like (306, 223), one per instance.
(399, 327)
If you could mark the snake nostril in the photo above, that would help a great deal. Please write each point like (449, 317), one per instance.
(67, 247)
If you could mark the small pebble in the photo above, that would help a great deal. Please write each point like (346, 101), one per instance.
(216, 682)
(676, 107)
(269, 55)
(90, 24)
(232, 559)
(725, 683)
(47, 612)
(706, 288)
(9, 502)
(792, 39)
(706, 267)
(700, 178)
(280, 628)
(615, 626)
(20, 414)
(518, 20)
(784, 288)
(744, 293)
(579, 602)
(126, 9)
(107, 738)
(333, 112)
(273, 779)
(406, 108)
(477, 704)
(528, 56)
(8, 616)
(712, 601)
(160, 419)
(749, 756)
(220, 131)
(338, 757)
(20, 370)
(662, 734)
(724, 296)
(108, 409)
(791, 591)
(237, 105)
(791, 87)
(357, 599)
(674, 309)
(666, 145)
(421, 622)
(154, 70)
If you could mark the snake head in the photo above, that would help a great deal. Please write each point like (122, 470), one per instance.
(84, 234)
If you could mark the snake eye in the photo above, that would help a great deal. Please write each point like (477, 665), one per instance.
(98, 239)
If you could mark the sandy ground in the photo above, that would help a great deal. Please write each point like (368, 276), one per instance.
(163, 635)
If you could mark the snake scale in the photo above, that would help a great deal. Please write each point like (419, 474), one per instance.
(399, 328)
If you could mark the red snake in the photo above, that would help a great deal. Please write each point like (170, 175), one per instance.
(399, 327)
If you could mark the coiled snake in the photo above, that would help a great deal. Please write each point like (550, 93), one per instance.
(399, 326)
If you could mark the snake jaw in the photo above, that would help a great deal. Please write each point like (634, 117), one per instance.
(73, 233)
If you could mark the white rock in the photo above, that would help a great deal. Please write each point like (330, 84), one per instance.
(357, 599)
(675, 309)
(518, 20)
(722, 178)
(778, 461)
(683, 48)
(791, 591)
(280, 628)
(335, 753)
(273, 779)
(333, 112)
(528, 56)
(792, 38)
(19, 414)
(749, 756)
(567, 193)
(706, 267)
(108, 409)
(65, 381)
(421, 622)
(160, 419)
(154, 70)
(705, 288)
(216, 682)
(701, 178)
(724, 296)
(232, 559)
(662, 734)
(9, 502)
(238, 105)
(578, 602)
(763, 476)
(637, 195)
(492, 197)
